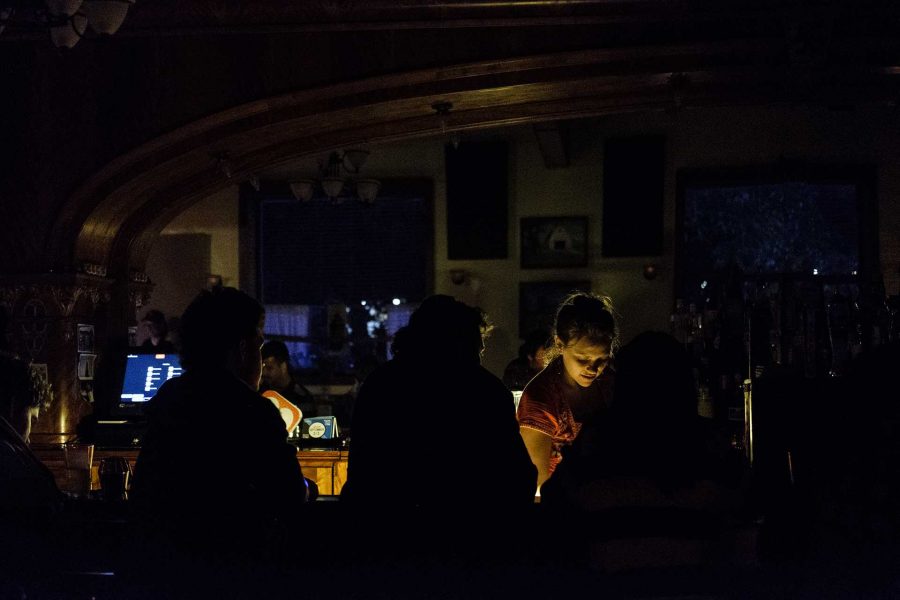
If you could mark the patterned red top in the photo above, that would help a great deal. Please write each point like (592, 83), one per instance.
(544, 407)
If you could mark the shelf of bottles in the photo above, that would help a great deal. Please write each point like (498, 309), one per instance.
(736, 329)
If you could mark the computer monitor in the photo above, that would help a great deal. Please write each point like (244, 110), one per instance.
(144, 375)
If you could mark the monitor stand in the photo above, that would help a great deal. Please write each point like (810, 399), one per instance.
(112, 432)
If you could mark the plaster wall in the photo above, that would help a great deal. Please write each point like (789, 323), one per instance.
(698, 138)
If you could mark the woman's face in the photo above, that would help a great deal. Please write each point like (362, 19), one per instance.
(583, 360)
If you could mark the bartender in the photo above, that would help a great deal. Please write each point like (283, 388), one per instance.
(278, 376)
(576, 384)
(157, 332)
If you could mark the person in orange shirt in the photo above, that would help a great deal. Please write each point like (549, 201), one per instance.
(576, 384)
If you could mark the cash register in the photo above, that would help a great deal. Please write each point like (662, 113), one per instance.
(125, 423)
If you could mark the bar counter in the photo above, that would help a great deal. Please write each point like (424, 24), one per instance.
(328, 468)
(90, 550)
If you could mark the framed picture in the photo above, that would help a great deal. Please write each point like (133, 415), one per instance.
(85, 338)
(39, 372)
(538, 301)
(86, 366)
(554, 242)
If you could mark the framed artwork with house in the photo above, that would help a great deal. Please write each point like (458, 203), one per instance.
(554, 242)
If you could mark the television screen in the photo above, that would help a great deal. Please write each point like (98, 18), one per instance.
(144, 375)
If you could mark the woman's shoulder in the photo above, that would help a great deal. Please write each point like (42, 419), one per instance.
(542, 395)
(547, 381)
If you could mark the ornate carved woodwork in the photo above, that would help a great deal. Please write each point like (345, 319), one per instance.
(45, 311)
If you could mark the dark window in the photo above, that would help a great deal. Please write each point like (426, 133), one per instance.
(766, 224)
(318, 253)
(338, 280)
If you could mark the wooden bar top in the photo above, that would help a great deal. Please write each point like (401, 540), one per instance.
(328, 468)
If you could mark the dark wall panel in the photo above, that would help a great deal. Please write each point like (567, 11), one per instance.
(633, 195)
(477, 200)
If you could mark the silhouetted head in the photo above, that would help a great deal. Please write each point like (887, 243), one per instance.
(655, 379)
(534, 348)
(22, 394)
(445, 327)
(222, 329)
(155, 322)
(652, 429)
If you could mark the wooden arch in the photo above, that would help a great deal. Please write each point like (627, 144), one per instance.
(112, 220)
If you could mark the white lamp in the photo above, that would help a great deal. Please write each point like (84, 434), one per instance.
(302, 189)
(332, 186)
(63, 7)
(368, 189)
(67, 33)
(106, 16)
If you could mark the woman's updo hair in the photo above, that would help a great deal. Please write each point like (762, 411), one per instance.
(582, 315)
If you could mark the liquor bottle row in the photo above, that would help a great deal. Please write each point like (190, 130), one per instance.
(814, 328)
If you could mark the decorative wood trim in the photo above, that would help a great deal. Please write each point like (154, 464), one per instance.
(114, 217)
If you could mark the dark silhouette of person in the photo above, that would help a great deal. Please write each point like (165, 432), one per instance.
(645, 476)
(850, 472)
(157, 328)
(26, 484)
(216, 478)
(531, 360)
(450, 425)
(30, 502)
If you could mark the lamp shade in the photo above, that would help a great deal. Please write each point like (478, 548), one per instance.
(302, 189)
(105, 16)
(356, 158)
(63, 7)
(332, 186)
(67, 33)
(368, 189)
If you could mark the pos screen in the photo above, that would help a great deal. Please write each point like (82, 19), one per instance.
(144, 375)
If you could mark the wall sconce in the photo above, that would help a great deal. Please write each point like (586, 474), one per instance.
(67, 21)
(332, 182)
(442, 109)
(458, 276)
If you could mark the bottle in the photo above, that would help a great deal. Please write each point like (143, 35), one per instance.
(677, 322)
(114, 475)
(704, 402)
